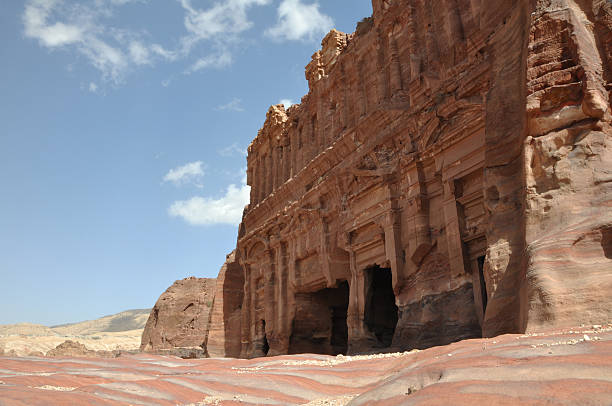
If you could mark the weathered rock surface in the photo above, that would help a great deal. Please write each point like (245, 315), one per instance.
(225, 317)
(570, 367)
(448, 176)
(70, 349)
(180, 318)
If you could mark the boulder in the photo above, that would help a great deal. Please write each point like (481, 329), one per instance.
(180, 317)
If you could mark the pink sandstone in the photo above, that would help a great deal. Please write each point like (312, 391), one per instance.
(569, 367)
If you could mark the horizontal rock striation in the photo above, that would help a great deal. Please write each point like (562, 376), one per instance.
(447, 176)
(570, 367)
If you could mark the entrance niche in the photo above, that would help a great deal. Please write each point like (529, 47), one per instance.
(483, 284)
(260, 343)
(380, 312)
(265, 348)
(319, 325)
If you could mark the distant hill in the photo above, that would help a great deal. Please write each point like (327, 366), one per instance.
(121, 331)
(124, 321)
(27, 329)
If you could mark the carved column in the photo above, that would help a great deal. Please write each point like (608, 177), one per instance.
(280, 168)
(314, 137)
(279, 340)
(262, 179)
(418, 213)
(273, 167)
(324, 252)
(285, 158)
(251, 181)
(344, 114)
(263, 176)
(267, 174)
(453, 236)
(245, 314)
(294, 152)
(270, 304)
(382, 83)
(299, 153)
(395, 68)
(393, 247)
(415, 56)
(359, 337)
(290, 289)
(363, 93)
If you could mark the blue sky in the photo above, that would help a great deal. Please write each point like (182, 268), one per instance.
(123, 130)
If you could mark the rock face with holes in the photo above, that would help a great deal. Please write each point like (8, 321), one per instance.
(447, 176)
(180, 319)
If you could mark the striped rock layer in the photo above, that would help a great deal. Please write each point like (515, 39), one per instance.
(570, 367)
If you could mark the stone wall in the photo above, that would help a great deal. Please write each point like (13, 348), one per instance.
(448, 176)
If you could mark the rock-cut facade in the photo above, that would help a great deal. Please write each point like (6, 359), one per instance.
(447, 176)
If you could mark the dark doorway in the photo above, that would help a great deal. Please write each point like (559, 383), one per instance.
(483, 283)
(339, 309)
(381, 311)
(319, 325)
(265, 347)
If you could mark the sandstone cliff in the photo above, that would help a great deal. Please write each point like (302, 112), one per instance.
(180, 319)
(225, 318)
(448, 176)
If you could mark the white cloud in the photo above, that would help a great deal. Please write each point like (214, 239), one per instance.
(59, 34)
(123, 2)
(233, 150)
(286, 102)
(139, 53)
(203, 211)
(223, 18)
(86, 27)
(164, 53)
(212, 33)
(234, 105)
(57, 24)
(93, 87)
(220, 25)
(298, 21)
(211, 61)
(188, 173)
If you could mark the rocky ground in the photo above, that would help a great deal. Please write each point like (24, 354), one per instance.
(570, 367)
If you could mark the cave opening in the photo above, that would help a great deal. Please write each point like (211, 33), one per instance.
(265, 348)
(483, 283)
(339, 310)
(381, 313)
(320, 325)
